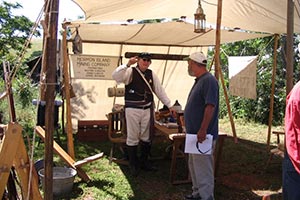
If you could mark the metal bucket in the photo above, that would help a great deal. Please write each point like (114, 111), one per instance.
(63, 179)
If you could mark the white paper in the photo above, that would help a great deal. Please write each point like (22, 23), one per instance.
(194, 147)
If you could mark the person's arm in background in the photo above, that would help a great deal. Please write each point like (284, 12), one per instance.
(122, 74)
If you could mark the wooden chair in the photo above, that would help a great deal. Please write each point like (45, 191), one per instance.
(117, 135)
(279, 149)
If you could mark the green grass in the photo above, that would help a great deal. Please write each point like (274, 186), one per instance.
(242, 173)
(248, 130)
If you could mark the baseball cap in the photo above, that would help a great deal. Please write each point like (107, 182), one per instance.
(198, 57)
(145, 55)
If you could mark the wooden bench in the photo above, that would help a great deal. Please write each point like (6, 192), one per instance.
(279, 149)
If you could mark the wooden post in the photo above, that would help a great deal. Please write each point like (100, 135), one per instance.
(66, 79)
(163, 76)
(218, 68)
(290, 46)
(272, 89)
(50, 72)
(11, 186)
(218, 40)
(44, 62)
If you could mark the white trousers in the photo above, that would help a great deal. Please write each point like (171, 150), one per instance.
(138, 125)
(202, 173)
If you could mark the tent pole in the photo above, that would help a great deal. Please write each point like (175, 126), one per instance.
(163, 77)
(289, 46)
(276, 36)
(43, 67)
(50, 64)
(228, 107)
(164, 73)
(120, 62)
(218, 68)
(66, 80)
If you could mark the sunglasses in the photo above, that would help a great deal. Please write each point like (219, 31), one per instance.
(146, 59)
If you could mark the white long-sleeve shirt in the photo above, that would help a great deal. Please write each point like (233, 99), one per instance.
(123, 74)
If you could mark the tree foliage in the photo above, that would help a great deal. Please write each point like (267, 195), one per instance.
(258, 110)
(14, 31)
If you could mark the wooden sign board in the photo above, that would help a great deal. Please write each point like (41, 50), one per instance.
(92, 66)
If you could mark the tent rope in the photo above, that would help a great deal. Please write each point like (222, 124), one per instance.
(34, 67)
(25, 46)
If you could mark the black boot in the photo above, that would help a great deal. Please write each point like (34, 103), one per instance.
(145, 152)
(133, 160)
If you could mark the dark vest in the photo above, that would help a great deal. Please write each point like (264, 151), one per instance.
(137, 92)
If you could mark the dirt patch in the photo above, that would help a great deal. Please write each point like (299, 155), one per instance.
(243, 182)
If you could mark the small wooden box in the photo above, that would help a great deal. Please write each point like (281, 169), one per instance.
(92, 130)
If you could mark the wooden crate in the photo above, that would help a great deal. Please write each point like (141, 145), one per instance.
(92, 130)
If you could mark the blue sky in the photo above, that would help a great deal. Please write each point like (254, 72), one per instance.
(31, 9)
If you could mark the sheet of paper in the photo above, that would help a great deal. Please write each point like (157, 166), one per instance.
(194, 147)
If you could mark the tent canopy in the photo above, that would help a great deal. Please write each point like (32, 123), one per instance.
(268, 16)
(159, 34)
(264, 17)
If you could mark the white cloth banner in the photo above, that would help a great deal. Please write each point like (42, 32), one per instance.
(92, 66)
(242, 76)
(194, 147)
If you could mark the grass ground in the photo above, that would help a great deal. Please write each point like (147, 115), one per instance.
(242, 173)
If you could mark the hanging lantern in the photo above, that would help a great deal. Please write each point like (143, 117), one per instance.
(200, 21)
(77, 43)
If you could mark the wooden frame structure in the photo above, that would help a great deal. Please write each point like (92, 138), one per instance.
(13, 154)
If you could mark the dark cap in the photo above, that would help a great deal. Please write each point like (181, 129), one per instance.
(145, 55)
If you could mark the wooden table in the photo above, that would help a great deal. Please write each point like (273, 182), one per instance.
(178, 141)
(164, 130)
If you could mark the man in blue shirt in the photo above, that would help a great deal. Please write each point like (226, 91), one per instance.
(201, 118)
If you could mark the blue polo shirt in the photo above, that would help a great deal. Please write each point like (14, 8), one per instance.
(204, 91)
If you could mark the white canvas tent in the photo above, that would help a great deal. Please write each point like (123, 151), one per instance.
(163, 38)
(268, 16)
(263, 16)
(92, 102)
